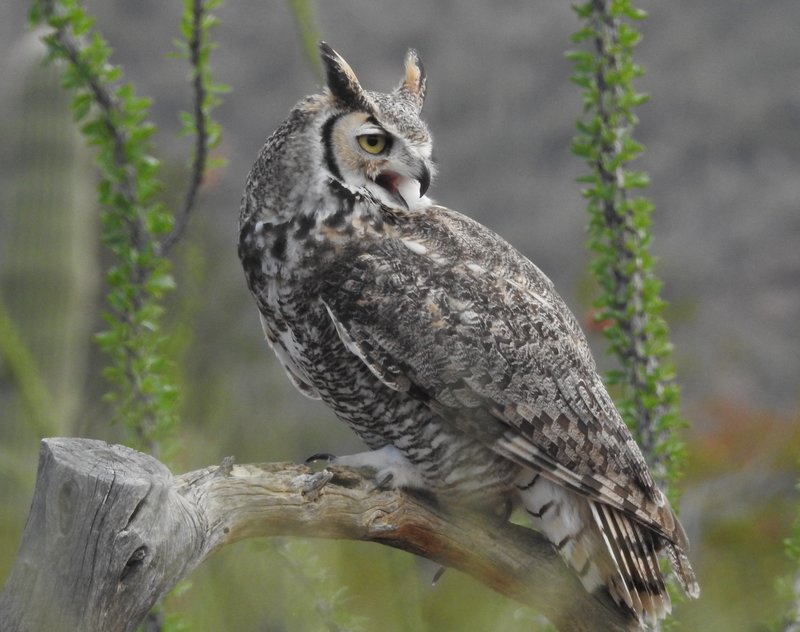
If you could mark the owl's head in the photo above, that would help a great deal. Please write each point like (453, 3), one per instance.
(378, 140)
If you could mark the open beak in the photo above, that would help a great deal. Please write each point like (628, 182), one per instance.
(404, 190)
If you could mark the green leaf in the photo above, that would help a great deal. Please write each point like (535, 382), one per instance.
(81, 105)
(634, 14)
(628, 36)
(635, 180)
(584, 11)
(580, 56)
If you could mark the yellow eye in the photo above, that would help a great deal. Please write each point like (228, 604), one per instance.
(373, 143)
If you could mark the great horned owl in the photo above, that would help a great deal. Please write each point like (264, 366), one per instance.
(449, 353)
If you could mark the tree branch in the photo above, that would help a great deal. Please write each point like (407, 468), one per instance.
(111, 530)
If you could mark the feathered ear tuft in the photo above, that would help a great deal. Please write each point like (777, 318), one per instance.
(342, 81)
(413, 83)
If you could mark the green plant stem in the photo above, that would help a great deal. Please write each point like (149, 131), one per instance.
(619, 233)
(200, 116)
(137, 230)
(628, 270)
(144, 398)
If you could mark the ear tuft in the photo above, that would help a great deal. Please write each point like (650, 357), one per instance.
(413, 83)
(342, 81)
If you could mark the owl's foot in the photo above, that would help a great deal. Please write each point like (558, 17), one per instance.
(392, 469)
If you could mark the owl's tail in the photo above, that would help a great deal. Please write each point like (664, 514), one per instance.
(606, 549)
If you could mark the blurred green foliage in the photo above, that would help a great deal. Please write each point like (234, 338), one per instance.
(114, 120)
(629, 306)
(303, 11)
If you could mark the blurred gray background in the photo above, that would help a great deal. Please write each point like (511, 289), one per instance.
(722, 133)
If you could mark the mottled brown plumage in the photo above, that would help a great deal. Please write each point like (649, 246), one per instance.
(447, 351)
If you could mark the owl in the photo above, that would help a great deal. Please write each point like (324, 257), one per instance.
(447, 351)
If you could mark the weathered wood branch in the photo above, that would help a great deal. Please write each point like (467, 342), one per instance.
(111, 530)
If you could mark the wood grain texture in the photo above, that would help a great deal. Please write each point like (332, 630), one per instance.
(111, 530)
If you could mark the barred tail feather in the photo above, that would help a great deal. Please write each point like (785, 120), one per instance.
(607, 549)
(634, 550)
(683, 571)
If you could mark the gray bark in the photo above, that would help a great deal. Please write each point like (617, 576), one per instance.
(111, 530)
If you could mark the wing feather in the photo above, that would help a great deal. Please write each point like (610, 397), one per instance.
(471, 325)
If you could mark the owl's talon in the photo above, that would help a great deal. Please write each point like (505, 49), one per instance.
(383, 481)
(313, 485)
(321, 456)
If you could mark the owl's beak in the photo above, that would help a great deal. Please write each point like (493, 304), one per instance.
(405, 190)
(424, 179)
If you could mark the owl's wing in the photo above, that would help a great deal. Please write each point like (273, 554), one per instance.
(449, 312)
